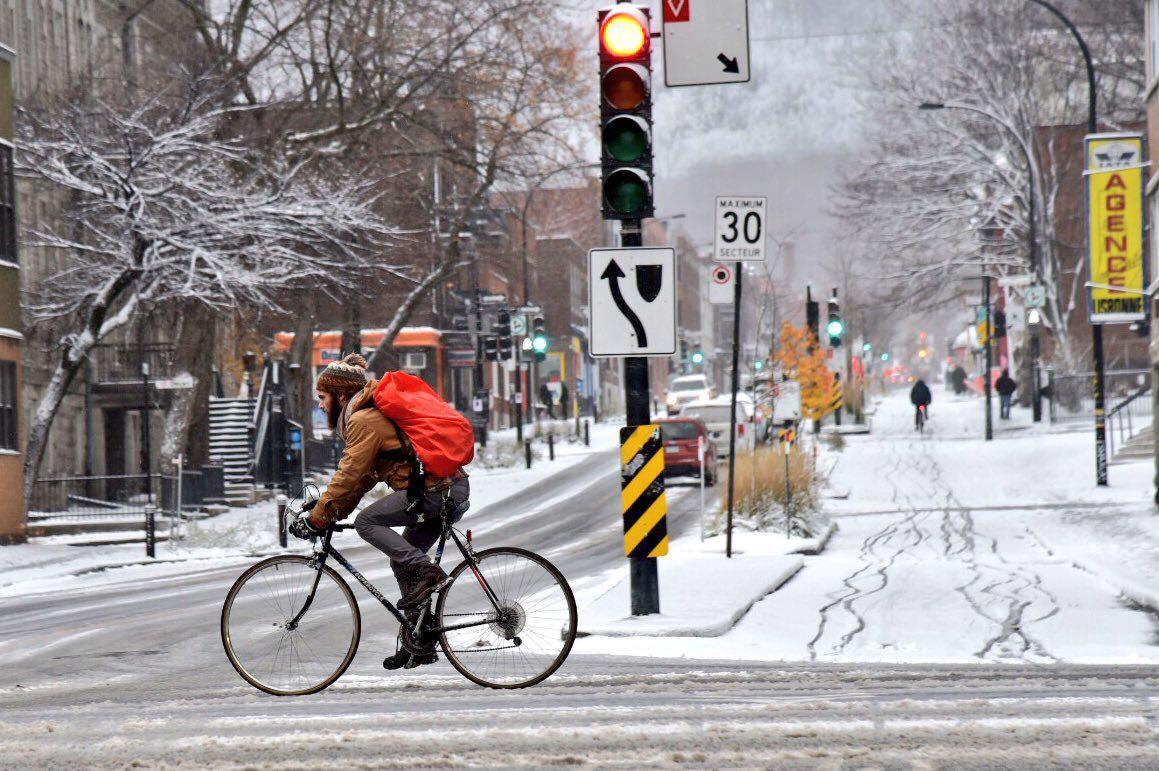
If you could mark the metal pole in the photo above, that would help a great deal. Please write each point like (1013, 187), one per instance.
(1096, 329)
(643, 576)
(280, 504)
(516, 351)
(146, 435)
(150, 530)
(988, 363)
(736, 297)
(788, 493)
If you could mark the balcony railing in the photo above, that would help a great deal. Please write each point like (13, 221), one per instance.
(121, 363)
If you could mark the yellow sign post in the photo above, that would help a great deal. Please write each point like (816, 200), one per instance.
(644, 504)
(1115, 224)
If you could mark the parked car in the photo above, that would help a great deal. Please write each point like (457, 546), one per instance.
(685, 389)
(681, 437)
(715, 416)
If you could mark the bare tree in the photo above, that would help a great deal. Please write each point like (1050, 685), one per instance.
(946, 193)
(168, 214)
(487, 92)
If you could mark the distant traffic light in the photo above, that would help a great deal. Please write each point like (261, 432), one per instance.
(836, 327)
(538, 339)
(812, 315)
(868, 348)
(626, 111)
(885, 357)
(697, 357)
(491, 348)
(503, 330)
(758, 365)
(999, 324)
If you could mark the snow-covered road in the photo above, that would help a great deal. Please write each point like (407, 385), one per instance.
(942, 627)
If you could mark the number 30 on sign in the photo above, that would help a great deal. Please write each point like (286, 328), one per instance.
(740, 228)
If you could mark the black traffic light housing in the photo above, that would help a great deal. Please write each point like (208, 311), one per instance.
(835, 327)
(812, 314)
(625, 48)
(503, 330)
(491, 348)
(538, 339)
(999, 326)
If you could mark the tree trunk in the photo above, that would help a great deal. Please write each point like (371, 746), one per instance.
(189, 407)
(71, 361)
(302, 353)
(352, 325)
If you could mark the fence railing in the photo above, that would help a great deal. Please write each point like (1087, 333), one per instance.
(1128, 418)
(1072, 396)
(123, 496)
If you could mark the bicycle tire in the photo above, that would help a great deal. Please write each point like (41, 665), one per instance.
(455, 653)
(227, 635)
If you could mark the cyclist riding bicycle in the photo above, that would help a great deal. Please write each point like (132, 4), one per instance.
(378, 451)
(920, 397)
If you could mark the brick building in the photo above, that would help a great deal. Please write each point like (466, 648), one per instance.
(11, 338)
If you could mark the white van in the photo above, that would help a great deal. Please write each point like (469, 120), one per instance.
(686, 389)
(714, 414)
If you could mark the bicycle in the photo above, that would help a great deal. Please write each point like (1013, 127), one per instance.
(289, 633)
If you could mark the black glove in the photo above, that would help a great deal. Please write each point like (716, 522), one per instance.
(303, 528)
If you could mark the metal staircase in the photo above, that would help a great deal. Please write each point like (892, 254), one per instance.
(231, 444)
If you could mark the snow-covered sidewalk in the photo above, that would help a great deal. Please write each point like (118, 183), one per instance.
(702, 594)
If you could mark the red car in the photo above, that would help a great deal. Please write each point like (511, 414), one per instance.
(681, 436)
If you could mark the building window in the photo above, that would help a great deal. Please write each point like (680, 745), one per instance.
(7, 205)
(9, 437)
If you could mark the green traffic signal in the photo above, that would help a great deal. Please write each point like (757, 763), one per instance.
(835, 328)
(626, 192)
(539, 344)
(885, 357)
(625, 138)
(697, 357)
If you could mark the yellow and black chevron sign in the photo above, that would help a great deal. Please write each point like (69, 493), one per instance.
(838, 398)
(642, 491)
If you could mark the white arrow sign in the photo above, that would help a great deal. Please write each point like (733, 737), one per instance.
(705, 42)
(632, 296)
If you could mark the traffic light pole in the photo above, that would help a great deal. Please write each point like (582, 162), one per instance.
(988, 363)
(643, 576)
(736, 295)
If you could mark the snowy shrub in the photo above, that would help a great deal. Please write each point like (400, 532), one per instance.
(759, 494)
(503, 453)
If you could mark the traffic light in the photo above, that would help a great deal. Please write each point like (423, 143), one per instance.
(758, 365)
(999, 324)
(503, 330)
(538, 339)
(697, 357)
(491, 348)
(626, 111)
(813, 316)
(835, 328)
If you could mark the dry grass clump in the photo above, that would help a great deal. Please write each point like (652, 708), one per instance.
(759, 492)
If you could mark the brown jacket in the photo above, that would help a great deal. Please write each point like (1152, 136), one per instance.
(372, 455)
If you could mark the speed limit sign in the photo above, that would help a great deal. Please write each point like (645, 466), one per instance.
(740, 228)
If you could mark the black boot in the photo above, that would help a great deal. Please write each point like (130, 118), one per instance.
(429, 578)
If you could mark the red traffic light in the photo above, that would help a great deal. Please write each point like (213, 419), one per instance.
(624, 33)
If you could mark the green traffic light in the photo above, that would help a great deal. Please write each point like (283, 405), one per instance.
(758, 364)
(625, 139)
(885, 357)
(835, 328)
(539, 344)
(867, 347)
(697, 357)
(626, 191)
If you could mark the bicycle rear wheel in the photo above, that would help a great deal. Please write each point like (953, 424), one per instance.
(262, 646)
(525, 639)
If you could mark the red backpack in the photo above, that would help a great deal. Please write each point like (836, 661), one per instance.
(441, 437)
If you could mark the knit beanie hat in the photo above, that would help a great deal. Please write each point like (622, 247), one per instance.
(344, 376)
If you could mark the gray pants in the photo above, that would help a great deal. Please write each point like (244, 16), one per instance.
(409, 550)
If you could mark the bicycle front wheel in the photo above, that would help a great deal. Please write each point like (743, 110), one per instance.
(516, 618)
(271, 650)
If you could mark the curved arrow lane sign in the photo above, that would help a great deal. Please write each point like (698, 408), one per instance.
(632, 298)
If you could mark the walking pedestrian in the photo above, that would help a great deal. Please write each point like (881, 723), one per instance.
(546, 397)
(1005, 386)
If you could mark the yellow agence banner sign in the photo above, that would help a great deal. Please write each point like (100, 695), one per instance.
(1116, 236)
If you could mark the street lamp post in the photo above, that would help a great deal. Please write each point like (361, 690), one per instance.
(1096, 329)
(1032, 235)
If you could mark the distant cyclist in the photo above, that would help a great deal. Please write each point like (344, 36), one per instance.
(920, 397)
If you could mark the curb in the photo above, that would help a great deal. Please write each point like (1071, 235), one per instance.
(822, 542)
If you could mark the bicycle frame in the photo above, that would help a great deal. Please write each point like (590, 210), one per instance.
(328, 550)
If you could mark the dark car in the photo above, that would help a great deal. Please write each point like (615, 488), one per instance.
(681, 436)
